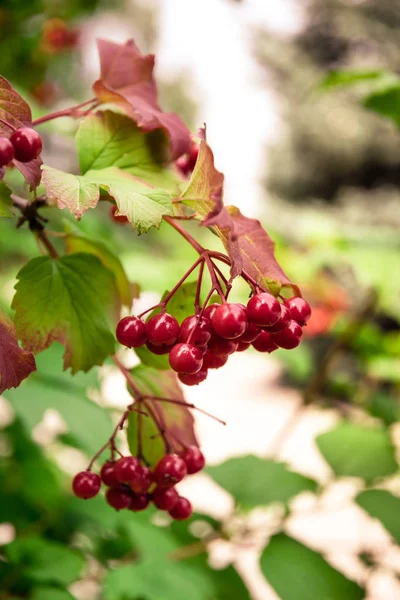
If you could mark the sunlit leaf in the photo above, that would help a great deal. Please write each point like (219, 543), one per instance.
(73, 192)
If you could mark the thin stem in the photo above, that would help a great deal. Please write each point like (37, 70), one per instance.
(159, 427)
(42, 236)
(186, 405)
(125, 372)
(198, 288)
(7, 124)
(214, 280)
(139, 434)
(184, 234)
(225, 259)
(73, 111)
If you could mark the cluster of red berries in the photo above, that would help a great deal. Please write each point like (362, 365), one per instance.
(25, 144)
(134, 486)
(206, 340)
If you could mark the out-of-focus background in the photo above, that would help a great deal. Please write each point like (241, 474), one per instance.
(302, 496)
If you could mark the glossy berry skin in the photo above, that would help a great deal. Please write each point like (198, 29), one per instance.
(159, 350)
(282, 322)
(117, 218)
(212, 361)
(6, 151)
(131, 332)
(185, 358)
(251, 333)
(142, 481)
(193, 379)
(230, 320)
(222, 347)
(299, 309)
(263, 309)
(210, 310)
(27, 144)
(126, 469)
(162, 329)
(264, 343)
(86, 485)
(182, 510)
(171, 469)
(242, 346)
(118, 498)
(290, 337)
(107, 474)
(139, 502)
(194, 459)
(195, 331)
(165, 498)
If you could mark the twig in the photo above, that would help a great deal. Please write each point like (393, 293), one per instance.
(42, 237)
(67, 112)
(185, 405)
(125, 372)
(159, 427)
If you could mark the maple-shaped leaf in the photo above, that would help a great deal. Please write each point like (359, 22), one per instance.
(15, 363)
(73, 192)
(17, 113)
(67, 300)
(175, 420)
(126, 79)
(5, 201)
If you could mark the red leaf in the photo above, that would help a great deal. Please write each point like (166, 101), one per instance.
(31, 171)
(15, 363)
(127, 80)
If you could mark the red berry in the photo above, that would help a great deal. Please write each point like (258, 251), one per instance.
(182, 510)
(210, 310)
(159, 350)
(162, 329)
(118, 497)
(194, 378)
(170, 470)
(165, 498)
(263, 309)
(243, 346)
(299, 309)
(203, 349)
(27, 144)
(289, 338)
(131, 332)
(264, 343)
(230, 320)
(107, 474)
(86, 485)
(126, 469)
(222, 347)
(195, 330)
(6, 151)
(194, 459)
(212, 361)
(251, 333)
(282, 322)
(142, 481)
(185, 358)
(115, 217)
(139, 502)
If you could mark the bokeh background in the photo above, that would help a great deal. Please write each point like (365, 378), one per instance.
(302, 105)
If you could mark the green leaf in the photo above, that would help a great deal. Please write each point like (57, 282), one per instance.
(358, 451)
(386, 102)
(45, 561)
(107, 139)
(350, 77)
(254, 481)
(50, 593)
(160, 362)
(68, 300)
(176, 420)
(5, 201)
(80, 243)
(385, 507)
(298, 573)
(73, 192)
(385, 406)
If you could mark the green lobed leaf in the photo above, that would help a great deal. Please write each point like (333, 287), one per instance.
(68, 300)
(254, 481)
(386, 102)
(5, 201)
(15, 363)
(298, 573)
(385, 507)
(73, 192)
(358, 451)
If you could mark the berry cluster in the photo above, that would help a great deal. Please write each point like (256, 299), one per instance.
(205, 341)
(131, 485)
(25, 144)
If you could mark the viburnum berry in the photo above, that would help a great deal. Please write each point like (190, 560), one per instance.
(194, 459)
(181, 510)
(118, 497)
(210, 310)
(299, 309)
(131, 332)
(142, 481)
(251, 333)
(115, 217)
(264, 343)
(6, 151)
(162, 329)
(230, 320)
(212, 361)
(139, 502)
(263, 309)
(27, 144)
(289, 338)
(86, 484)
(171, 469)
(126, 469)
(195, 330)
(165, 498)
(159, 350)
(282, 322)
(221, 346)
(107, 474)
(185, 358)
(242, 346)
(194, 378)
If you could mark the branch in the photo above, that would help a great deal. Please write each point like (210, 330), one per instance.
(73, 112)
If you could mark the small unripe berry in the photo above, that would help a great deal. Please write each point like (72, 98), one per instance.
(185, 358)
(171, 469)
(181, 510)
(126, 469)
(162, 329)
(263, 309)
(194, 459)
(131, 332)
(165, 498)
(230, 320)
(86, 485)
(27, 144)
